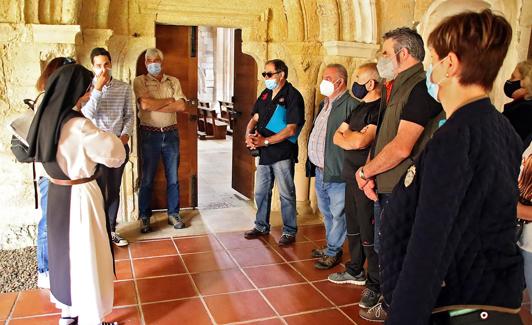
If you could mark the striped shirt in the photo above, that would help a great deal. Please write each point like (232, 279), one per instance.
(316, 142)
(111, 109)
(148, 86)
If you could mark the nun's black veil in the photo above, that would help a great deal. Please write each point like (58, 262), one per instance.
(63, 89)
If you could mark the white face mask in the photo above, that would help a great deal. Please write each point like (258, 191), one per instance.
(98, 72)
(326, 88)
(386, 68)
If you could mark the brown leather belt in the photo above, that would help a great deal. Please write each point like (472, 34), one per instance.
(156, 129)
(70, 182)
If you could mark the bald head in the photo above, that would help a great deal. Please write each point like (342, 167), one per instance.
(367, 72)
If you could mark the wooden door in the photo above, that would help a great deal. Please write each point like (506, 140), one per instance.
(179, 45)
(245, 95)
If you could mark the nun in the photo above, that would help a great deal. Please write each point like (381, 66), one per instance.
(70, 148)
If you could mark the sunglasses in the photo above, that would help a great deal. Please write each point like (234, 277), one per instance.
(269, 74)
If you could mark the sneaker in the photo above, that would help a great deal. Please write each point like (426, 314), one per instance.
(346, 278)
(369, 298)
(374, 314)
(255, 233)
(319, 252)
(68, 321)
(145, 225)
(43, 280)
(176, 221)
(286, 240)
(118, 240)
(327, 262)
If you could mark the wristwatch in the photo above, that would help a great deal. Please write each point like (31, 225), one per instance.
(266, 142)
(361, 174)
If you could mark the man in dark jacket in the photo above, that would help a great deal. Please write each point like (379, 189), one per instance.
(328, 161)
(279, 103)
(409, 119)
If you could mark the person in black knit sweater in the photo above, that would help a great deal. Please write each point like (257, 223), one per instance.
(449, 254)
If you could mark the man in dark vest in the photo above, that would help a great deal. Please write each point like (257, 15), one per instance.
(408, 119)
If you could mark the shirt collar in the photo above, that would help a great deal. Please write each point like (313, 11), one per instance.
(329, 101)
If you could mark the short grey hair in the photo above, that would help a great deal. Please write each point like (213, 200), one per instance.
(152, 53)
(371, 68)
(407, 38)
(342, 71)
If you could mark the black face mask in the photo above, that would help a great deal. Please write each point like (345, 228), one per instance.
(510, 86)
(359, 91)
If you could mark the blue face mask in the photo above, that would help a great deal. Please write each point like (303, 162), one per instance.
(433, 88)
(271, 84)
(154, 69)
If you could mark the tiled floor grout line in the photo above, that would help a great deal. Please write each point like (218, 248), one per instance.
(195, 286)
(315, 288)
(10, 315)
(251, 281)
(137, 293)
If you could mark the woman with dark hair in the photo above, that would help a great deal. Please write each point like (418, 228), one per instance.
(43, 280)
(449, 254)
(70, 147)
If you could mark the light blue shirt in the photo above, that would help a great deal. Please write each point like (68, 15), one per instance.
(111, 109)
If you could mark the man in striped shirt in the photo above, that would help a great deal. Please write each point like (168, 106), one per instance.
(110, 108)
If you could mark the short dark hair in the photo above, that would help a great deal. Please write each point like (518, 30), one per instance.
(279, 66)
(479, 40)
(100, 51)
(409, 39)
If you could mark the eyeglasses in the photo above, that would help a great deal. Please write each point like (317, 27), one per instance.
(269, 74)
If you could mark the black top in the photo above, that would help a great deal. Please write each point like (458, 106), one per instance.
(420, 107)
(265, 106)
(519, 112)
(448, 232)
(363, 115)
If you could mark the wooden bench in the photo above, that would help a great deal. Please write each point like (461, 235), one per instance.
(209, 127)
(227, 115)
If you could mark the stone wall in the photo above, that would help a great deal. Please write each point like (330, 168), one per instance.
(307, 34)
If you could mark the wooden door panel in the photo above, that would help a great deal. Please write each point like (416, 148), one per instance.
(245, 89)
(177, 44)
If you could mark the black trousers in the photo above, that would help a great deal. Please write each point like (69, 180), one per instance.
(109, 181)
(476, 318)
(360, 235)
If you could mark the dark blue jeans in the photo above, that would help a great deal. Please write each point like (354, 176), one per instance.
(282, 172)
(154, 145)
(378, 208)
(42, 233)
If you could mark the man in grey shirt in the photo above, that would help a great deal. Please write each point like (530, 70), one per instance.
(110, 108)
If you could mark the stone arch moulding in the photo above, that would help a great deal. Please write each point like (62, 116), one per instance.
(363, 20)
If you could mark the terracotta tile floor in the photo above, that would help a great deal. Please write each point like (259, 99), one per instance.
(215, 279)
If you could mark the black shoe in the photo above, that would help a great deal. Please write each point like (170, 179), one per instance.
(145, 225)
(176, 221)
(369, 299)
(255, 233)
(286, 240)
